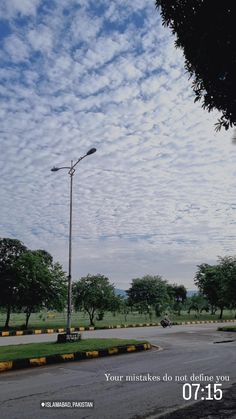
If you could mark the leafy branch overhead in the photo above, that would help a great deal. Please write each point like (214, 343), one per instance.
(205, 31)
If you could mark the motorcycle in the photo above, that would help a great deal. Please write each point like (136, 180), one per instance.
(166, 323)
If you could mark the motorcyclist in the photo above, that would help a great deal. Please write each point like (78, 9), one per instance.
(165, 321)
(166, 318)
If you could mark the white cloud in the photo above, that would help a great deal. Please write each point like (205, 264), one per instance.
(16, 48)
(84, 28)
(41, 39)
(12, 8)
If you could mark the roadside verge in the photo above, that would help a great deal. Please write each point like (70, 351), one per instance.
(15, 364)
(227, 329)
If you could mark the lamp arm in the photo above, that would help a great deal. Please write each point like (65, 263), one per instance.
(73, 167)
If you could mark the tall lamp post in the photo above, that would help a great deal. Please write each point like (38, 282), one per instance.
(71, 173)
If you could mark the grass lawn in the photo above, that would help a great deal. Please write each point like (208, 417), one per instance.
(227, 329)
(34, 350)
(53, 320)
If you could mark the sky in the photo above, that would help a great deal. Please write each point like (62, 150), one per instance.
(158, 196)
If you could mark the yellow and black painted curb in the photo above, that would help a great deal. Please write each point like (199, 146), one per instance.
(41, 331)
(73, 356)
(87, 328)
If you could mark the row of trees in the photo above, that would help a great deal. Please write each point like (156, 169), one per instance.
(29, 280)
(150, 294)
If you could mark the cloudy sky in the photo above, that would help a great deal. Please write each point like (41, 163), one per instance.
(158, 196)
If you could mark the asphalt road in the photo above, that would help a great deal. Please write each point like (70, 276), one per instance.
(153, 334)
(186, 350)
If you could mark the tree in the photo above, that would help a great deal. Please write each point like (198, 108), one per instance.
(57, 292)
(10, 252)
(198, 303)
(41, 283)
(124, 307)
(215, 283)
(45, 256)
(94, 294)
(227, 266)
(205, 31)
(149, 293)
(178, 295)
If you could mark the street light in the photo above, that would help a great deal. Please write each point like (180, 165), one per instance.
(71, 173)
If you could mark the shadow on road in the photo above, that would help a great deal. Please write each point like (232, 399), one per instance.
(225, 408)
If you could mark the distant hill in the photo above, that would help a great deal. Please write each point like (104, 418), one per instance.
(121, 293)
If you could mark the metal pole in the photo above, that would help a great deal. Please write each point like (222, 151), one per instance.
(69, 291)
(68, 326)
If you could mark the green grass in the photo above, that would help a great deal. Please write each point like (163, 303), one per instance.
(56, 320)
(227, 329)
(34, 350)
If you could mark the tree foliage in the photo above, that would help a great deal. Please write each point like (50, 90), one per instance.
(29, 280)
(149, 293)
(207, 280)
(40, 283)
(218, 283)
(227, 266)
(94, 294)
(124, 307)
(198, 303)
(205, 31)
(178, 295)
(10, 252)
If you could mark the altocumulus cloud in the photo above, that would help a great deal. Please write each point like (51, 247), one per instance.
(159, 194)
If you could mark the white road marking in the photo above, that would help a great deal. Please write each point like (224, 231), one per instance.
(201, 359)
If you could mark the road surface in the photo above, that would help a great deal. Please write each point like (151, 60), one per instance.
(186, 350)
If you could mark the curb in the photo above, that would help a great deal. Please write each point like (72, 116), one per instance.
(41, 331)
(16, 364)
(88, 328)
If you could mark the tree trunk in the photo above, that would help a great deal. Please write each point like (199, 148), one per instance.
(28, 313)
(8, 317)
(221, 312)
(91, 317)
